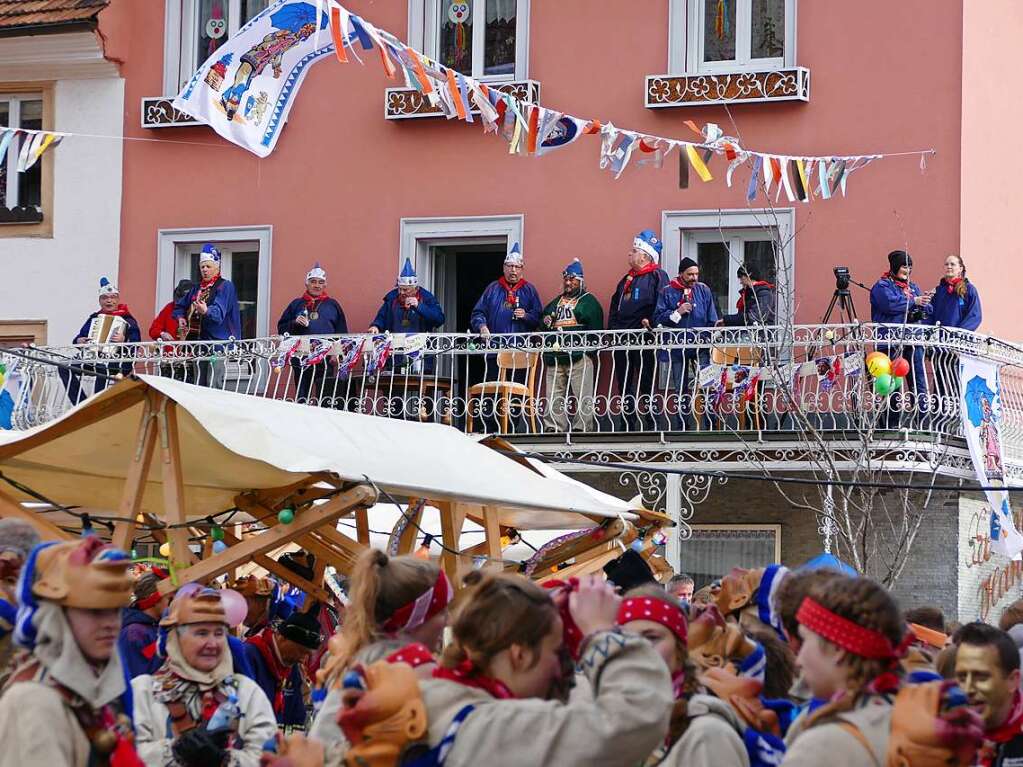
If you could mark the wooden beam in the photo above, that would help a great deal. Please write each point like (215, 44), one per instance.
(593, 565)
(362, 525)
(281, 571)
(11, 509)
(492, 539)
(173, 480)
(610, 531)
(341, 561)
(450, 531)
(114, 400)
(135, 481)
(408, 537)
(306, 521)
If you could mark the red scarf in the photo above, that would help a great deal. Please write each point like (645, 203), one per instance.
(511, 290)
(264, 643)
(120, 311)
(311, 302)
(951, 284)
(687, 291)
(466, 674)
(1012, 726)
(902, 285)
(633, 274)
(740, 305)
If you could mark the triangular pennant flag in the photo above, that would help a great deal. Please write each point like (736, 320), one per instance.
(564, 131)
(385, 57)
(751, 190)
(683, 170)
(365, 40)
(825, 187)
(785, 181)
(26, 147)
(798, 181)
(697, 163)
(835, 175)
(464, 99)
(5, 141)
(456, 97)
(534, 129)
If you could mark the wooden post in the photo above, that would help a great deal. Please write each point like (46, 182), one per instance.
(362, 525)
(173, 481)
(492, 531)
(135, 481)
(410, 534)
(450, 531)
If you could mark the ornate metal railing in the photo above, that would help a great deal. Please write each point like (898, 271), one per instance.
(715, 380)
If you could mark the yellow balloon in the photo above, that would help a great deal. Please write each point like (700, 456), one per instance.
(165, 550)
(879, 366)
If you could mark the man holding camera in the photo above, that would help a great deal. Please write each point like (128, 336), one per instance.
(894, 300)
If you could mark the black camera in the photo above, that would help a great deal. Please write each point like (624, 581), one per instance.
(842, 277)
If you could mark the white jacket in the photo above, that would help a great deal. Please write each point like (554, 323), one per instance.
(152, 724)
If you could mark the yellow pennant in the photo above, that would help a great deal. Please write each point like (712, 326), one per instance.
(698, 165)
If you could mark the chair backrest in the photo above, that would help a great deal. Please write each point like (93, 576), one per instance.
(735, 355)
(507, 360)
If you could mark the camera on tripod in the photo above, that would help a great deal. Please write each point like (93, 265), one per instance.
(842, 277)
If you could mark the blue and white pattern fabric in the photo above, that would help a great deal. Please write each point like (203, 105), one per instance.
(773, 577)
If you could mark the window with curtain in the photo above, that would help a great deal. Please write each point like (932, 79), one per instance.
(21, 110)
(736, 35)
(479, 38)
(712, 552)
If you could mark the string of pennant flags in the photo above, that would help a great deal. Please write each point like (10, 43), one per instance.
(534, 130)
(34, 143)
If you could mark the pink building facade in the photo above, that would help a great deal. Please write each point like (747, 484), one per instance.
(359, 191)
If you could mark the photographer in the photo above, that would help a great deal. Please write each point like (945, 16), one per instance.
(894, 300)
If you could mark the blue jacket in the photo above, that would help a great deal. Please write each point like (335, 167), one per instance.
(955, 312)
(703, 315)
(425, 318)
(330, 319)
(493, 311)
(640, 304)
(889, 304)
(133, 334)
(138, 631)
(223, 320)
(294, 712)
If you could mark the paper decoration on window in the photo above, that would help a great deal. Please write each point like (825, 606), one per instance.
(33, 144)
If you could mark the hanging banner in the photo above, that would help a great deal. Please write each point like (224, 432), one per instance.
(981, 404)
(245, 90)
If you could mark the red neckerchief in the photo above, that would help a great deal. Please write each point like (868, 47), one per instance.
(687, 292)
(740, 305)
(633, 274)
(264, 643)
(510, 290)
(415, 654)
(466, 674)
(1012, 726)
(900, 284)
(951, 284)
(120, 311)
(400, 304)
(311, 302)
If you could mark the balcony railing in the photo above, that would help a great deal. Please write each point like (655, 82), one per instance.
(566, 385)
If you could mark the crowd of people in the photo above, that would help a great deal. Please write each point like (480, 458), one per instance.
(645, 298)
(760, 667)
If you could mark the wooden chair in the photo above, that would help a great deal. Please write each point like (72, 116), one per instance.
(504, 389)
(731, 355)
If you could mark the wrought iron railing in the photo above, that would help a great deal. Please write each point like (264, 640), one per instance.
(564, 384)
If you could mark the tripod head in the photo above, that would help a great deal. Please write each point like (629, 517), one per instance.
(842, 278)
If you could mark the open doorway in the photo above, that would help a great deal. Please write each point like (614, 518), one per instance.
(462, 273)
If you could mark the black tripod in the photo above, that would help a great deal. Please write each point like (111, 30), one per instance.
(842, 300)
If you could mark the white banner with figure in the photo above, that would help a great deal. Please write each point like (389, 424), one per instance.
(981, 403)
(246, 88)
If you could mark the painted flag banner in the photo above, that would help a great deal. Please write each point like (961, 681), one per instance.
(981, 402)
(33, 145)
(245, 90)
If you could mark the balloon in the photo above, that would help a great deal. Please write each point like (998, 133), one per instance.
(165, 550)
(880, 366)
(219, 546)
(235, 607)
(900, 367)
(884, 384)
(187, 590)
(873, 355)
(897, 382)
(286, 516)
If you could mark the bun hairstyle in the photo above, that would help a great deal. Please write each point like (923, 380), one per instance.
(381, 586)
(495, 612)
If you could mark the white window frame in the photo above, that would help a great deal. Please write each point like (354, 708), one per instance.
(173, 259)
(424, 35)
(685, 39)
(682, 230)
(13, 101)
(179, 38)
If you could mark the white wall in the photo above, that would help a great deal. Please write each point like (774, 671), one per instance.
(57, 279)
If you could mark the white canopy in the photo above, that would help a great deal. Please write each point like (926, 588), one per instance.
(232, 443)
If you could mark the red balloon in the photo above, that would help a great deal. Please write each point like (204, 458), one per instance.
(900, 367)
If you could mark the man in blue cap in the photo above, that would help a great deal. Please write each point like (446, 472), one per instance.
(632, 308)
(314, 313)
(209, 312)
(686, 303)
(574, 310)
(509, 304)
(408, 308)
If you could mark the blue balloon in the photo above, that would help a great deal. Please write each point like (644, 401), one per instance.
(219, 546)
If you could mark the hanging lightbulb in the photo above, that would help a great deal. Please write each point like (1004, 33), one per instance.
(165, 550)
(219, 546)
(505, 541)
(217, 533)
(286, 516)
(423, 552)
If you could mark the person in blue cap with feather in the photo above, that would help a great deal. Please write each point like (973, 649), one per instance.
(314, 313)
(633, 306)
